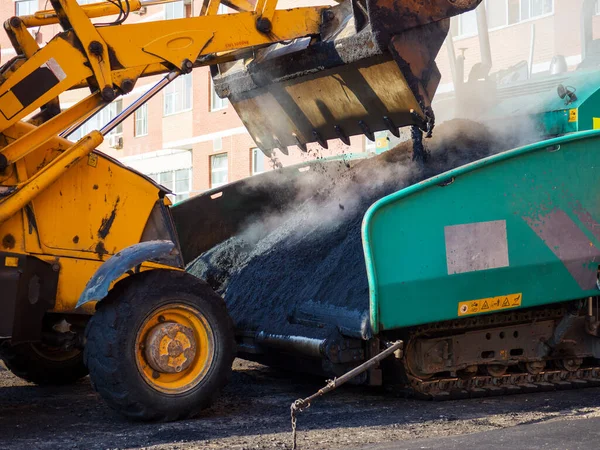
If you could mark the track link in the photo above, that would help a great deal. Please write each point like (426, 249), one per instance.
(452, 388)
(475, 386)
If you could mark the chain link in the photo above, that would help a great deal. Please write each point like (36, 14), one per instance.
(297, 406)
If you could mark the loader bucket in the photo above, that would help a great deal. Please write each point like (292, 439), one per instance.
(371, 69)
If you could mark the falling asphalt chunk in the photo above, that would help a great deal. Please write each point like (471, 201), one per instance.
(300, 273)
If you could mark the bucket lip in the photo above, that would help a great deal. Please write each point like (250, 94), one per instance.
(376, 207)
(278, 66)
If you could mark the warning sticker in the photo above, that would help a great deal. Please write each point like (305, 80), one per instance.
(11, 261)
(486, 305)
(573, 115)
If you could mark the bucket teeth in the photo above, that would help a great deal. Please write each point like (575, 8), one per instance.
(281, 147)
(299, 143)
(390, 126)
(366, 130)
(372, 62)
(319, 139)
(343, 136)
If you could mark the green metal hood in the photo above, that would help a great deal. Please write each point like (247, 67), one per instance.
(537, 99)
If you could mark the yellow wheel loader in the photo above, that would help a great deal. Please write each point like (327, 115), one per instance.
(91, 271)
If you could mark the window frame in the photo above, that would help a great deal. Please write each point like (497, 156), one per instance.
(31, 3)
(172, 5)
(100, 119)
(211, 170)
(457, 19)
(215, 99)
(253, 152)
(106, 115)
(144, 120)
(176, 196)
(171, 89)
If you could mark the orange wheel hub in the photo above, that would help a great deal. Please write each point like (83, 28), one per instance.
(174, 348)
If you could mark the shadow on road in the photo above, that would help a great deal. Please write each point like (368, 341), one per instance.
(256, 402)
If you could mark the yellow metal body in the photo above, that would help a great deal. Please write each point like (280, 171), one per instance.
(63, 202)
(68, 210)
(68, 205)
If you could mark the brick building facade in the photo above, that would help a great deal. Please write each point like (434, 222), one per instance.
(190, 140)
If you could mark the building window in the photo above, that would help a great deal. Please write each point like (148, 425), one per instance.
(178, 95)
(216, 102)
(26, 7)
(219, 171)
(175, 10)
(258, 161)
(179, 182)
(141, 121)
(100, 119)
(501, 13)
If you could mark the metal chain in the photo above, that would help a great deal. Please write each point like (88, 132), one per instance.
(297, 406)
(302, 404)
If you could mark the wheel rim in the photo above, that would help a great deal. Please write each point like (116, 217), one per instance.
(174, 348)
(496, 370)
(570, 364)
(535, 367)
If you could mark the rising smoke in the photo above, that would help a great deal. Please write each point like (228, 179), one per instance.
(312, 250)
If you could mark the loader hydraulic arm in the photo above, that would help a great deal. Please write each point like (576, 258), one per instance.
(111, 58)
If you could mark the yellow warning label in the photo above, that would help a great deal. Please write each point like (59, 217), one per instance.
(92, 160)
(486, 305)
(596, 123)
(11, 261)
(573, 116)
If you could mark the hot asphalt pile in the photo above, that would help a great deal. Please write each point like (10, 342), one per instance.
(310, 257)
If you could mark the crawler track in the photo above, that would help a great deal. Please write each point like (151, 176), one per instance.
(447, 387)
(450, 388)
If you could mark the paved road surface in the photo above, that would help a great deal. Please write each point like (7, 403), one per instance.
(254, 413)
(578, 434)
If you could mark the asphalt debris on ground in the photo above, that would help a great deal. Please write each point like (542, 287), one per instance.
(253, 413)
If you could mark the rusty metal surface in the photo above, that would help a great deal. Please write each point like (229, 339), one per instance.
(170, 347)
(500, 345)
(573, 363)
(362, 93)
(391, 17)
(372, 70)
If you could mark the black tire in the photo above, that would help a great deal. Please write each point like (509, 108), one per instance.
(110, 351)
(42, 365)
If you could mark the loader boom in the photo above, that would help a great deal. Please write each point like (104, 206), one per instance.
(89, 245)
